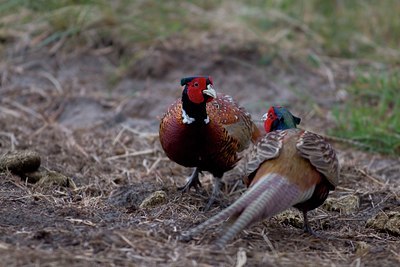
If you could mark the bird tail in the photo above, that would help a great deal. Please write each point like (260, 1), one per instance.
(272, 194)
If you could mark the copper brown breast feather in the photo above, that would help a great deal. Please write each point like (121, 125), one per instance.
(206, 131)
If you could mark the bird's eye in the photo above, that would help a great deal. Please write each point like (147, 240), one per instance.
(196, 84)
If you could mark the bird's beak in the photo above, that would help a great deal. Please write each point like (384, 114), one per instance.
(210, 91)
(264, 117)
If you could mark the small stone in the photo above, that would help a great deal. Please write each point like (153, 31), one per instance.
(20, 161)
(50, 178)
(346, 204)
(386, 222)
(290, 217)
(119, 151)
(362, 248)
(32, 177)
(155, 199)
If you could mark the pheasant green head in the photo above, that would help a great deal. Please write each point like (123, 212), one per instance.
(279, 118)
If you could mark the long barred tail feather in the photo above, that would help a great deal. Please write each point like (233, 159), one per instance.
(247, 198)
(272, 194)
(280, 196)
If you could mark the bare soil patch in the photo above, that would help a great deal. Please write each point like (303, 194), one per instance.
(104, 136)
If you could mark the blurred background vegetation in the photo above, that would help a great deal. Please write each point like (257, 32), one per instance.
(365, 33)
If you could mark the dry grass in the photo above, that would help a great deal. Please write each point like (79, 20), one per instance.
(95, 120)
(109, 146)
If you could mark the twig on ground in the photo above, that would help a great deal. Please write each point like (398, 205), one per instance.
(133, 154)
(375, 180)
(13, 139)
(53, 80)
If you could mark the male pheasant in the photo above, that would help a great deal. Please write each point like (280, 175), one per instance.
(206, 131)
(288, 167)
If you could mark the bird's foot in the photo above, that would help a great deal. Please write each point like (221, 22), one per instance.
(307, 229)
(216, 196)
(190, 184)
(219, 200)
(211, 201)
(320, 235)
(192, 181)
(185, 236)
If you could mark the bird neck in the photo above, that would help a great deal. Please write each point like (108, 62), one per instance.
(287, 123)
(193, 113)
(284, 126)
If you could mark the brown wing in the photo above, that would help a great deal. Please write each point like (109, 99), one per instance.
(224, 111)
(267, 148)
(170, 125)
(321, 155)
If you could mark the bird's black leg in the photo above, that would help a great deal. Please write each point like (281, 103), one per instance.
(192, 181)
(307, 227)
(216, 193)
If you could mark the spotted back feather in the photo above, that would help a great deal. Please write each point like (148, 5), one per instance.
(310, 146)
(267, 148)
(236, 120)
(320, 154)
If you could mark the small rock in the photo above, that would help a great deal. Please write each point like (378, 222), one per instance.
(155, 199)
(362, 248)
(386, 222)
(20, 161)
(32, 177)
(290, 217)
(49, 178)
(346, 204)
(241, 258)
(132, 195)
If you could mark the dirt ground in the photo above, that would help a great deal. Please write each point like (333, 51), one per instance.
(103, 134)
